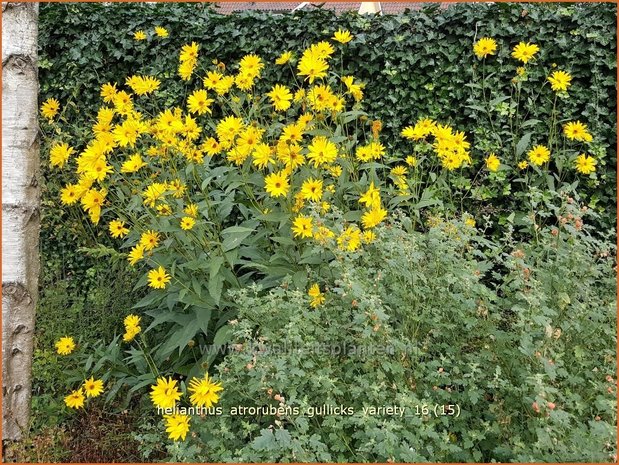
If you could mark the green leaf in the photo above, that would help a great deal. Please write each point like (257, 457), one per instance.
(476, 107)
(88, 363)
(498, 100)
(348, 116)
(160, 317)
(150, 299)
(523, 143)
(233, 236)
(179, 338)
(215, 264)
(215, 287)
(300, 279)
(283, 240)
(192, 299)
(203, 318)
(148, 379)
(266, 441)
(222, 336)
(283, 438)
(274, 217)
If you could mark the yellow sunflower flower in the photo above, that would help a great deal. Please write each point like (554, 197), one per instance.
(136, 254)
(321, 151)
(560, 81)
(280, 97)
(164, 394)
(525, 51)
(177, 426)
(575, 130)
(198, 102)
(373, 217)
(342, 36)
(69, 194)
(65, 345)
(92, 387)
(585, 164)
(302, 226)
(131, 321)
(484, 47)
(539, 155)
(187, 223)
(131, 332)
(312, 67)
(350, 239)
(283, 58)
(311, 189)
(158, 278)
(75, 399)
(59, 154)
(493, 162)
(317, 297)
(161, 32)
(139, 35)
(50, 108)
(117, 228)
(149, 239)
(203, 391)
(276, 184)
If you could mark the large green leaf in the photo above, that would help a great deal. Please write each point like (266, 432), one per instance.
(233, 236)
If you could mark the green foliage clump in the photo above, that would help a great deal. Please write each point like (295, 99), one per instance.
(518, 338)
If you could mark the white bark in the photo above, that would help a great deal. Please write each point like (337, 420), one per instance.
(20, 211)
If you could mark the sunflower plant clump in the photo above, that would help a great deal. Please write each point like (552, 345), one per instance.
(237, 181)
(232, 185)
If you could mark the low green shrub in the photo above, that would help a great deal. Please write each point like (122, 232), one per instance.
(517, 338)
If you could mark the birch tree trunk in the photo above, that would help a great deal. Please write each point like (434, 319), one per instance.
(20, 211)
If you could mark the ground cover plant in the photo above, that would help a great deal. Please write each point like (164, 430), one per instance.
(260, 200)
(512, 352)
